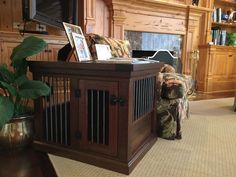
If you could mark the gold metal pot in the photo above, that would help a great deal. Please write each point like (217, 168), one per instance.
(17, 133)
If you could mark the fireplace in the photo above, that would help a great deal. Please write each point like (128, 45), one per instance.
(150, 41)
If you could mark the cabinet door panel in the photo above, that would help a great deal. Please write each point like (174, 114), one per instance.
(219, 67)
(231, 63)
(53, 51)
(98, 116)
(7, 48)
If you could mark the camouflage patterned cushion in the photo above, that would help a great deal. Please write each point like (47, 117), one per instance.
(119, 48)
(175, 85)
(169, 118)
(173, 105)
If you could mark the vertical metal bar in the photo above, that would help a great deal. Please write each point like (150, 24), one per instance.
(53, 111)
(139, 98)
(97, 116)
(92, 116)
(65, 105)
(104, 118)
(50, 106)
(68, 102)
(46, 111)
(136, 99)
(56, 120)
(149, 93)
(145, 96)
(56, 101)
(152, 103)
(142, 102)
(61, 112)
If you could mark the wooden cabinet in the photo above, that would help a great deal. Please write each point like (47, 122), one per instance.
(6, 48)
(216, 72)
(216, 66)
(99, 113)
(8, 41)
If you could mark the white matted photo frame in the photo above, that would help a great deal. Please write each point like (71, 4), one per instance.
(103, 51)
(81, 47)
(69, 28)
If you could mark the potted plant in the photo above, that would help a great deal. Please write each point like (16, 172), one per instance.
(16, 90)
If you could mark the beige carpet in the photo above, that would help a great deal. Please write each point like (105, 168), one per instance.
(208, 148)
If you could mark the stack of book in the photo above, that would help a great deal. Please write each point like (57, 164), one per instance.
(216, 15)
(218, 36)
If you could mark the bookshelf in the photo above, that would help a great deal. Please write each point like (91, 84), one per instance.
(216, 71)
(222, 22)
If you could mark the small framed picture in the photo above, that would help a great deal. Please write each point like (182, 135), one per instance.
(103, 51)
(81, 47)
(69, 28)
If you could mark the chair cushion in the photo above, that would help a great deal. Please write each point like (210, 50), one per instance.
(167, 69)
(119, 48)
(175, 85)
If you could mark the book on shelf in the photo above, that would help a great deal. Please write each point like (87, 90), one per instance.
(218, 36)
(214, 15)
(223, 37)
(217, 15)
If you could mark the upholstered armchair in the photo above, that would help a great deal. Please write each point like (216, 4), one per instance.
(119, 48)
(172, 106)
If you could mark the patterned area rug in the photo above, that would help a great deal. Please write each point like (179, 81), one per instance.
(208, 148)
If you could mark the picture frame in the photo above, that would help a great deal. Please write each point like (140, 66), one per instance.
(103, 51)
(81, 47)
(69, 28)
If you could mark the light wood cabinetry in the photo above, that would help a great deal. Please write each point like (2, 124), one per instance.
(8, 41)
(217, 69)
(216, 72)
(219, 22)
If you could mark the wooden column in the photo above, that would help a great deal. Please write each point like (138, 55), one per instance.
(89, 11)
(117, 24)
(196, 34)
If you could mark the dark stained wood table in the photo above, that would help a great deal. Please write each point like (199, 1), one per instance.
(25, 163)
(101, 113)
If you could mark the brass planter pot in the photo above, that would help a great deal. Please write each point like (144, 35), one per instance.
(18, 133)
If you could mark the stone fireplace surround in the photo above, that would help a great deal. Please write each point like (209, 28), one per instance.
(155, 41)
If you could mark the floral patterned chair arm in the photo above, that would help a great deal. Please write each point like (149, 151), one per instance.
(119, 48)
(173, 106)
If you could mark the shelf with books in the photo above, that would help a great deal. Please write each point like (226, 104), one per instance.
(223, 24)
(224, 11)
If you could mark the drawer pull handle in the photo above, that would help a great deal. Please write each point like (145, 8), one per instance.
(230, 55)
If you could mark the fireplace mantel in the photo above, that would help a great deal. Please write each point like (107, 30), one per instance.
(114, 17)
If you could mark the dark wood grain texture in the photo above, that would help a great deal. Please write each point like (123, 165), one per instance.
(25, 163)
(110, 120)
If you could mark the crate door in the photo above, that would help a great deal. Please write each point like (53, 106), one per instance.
(98, 116)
